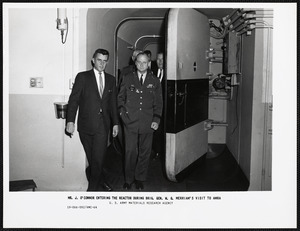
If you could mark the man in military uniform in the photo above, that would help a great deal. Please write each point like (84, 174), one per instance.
(130, 68)
(140, 105)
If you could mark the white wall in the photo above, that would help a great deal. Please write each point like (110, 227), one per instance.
(35, 50)
(260, 125)
(38, 148)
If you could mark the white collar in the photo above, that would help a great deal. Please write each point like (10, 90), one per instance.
(140, 74)
(98, 72)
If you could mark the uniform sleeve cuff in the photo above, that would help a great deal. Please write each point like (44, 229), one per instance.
(157, 116)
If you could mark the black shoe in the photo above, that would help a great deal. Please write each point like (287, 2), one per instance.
(126, 186)
(90, 190)
(106, 187)
(139, 185)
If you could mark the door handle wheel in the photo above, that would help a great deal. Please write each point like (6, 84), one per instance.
(182, 96)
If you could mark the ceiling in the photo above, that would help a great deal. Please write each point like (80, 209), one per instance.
(217, 13)
(132, 30)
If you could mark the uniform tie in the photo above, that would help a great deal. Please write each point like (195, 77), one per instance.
(101, 83)
(141, 80)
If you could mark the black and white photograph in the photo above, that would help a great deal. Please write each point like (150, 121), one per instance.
(149, 115)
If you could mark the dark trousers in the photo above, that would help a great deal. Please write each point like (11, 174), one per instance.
(137, 155)
(158, 144)
(95, 147)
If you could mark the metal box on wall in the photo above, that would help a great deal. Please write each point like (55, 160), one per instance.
(231, 53)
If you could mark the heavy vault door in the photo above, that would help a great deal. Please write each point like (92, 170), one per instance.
(187, 89)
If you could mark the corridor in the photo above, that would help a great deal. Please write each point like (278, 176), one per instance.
(215, 171)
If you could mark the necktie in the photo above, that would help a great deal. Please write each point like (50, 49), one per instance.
(141, 80)
(100, 83)
(160, 74)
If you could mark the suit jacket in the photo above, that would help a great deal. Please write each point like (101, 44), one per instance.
(139, 106)
(155, 71)
(153, 66)
(85, 96)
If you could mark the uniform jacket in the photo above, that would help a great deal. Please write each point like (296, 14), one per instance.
(125, 71)
(86, 96)
(139, 106)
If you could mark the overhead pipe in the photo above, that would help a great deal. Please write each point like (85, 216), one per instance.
(227, 21)
(241, 27)
(229, 16)
(233, 27)
(252, 25)
(248, 28)
(261, 11)
(145, 36)
(264, 15)
(239, 15)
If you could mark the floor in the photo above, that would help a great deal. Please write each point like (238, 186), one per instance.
(215, 171)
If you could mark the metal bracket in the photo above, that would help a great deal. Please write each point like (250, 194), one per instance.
(209, 124)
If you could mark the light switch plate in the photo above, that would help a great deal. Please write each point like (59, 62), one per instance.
(36, 82)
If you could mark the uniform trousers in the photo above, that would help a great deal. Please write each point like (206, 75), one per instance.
(137, 155)
(158, 144)
(95, 147)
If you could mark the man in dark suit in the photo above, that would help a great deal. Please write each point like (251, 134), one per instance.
(140, 106)
(158, 145)
(94, 93)
(152, 64)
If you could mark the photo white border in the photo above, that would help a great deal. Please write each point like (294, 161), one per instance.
(270, 209)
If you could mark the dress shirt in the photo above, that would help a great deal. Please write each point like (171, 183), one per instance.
(143, 76)
(160, 72)
(97, 78)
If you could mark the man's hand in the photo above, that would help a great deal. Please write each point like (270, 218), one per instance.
(154, 125)
(70, 127)
(115, 130)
